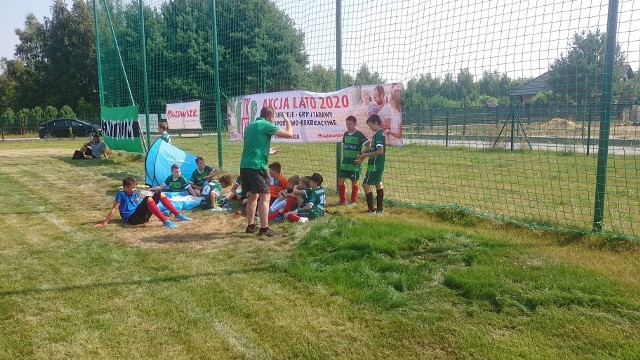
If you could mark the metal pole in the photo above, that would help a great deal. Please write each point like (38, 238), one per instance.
(464, 120)
(513, 120)
(144, 72)
(98, 58)
(216, 79)
(446, 135)
(338, 44)
(605, 119)
(589, 130)
(338, 74)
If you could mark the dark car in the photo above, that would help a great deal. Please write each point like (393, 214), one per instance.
(60, 128)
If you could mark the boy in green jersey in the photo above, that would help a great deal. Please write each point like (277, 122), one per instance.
(352, 142)
(202, 175)
(316, 201)
(175, 182)
(375, 165)
(162, 129)
(212, 197)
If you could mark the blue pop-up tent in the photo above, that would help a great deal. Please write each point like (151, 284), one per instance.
(159, 159)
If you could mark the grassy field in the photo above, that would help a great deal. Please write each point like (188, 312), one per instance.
(408, 284)
(548, 189)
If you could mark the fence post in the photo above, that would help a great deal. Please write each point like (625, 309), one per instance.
(513, 123)
(216, 79)
(338, 75)
(143, 51)
(338, 44)
(589, 129)
(98, 55)
(338, 158)
(464, 120)
(605, 119)
(446, 136)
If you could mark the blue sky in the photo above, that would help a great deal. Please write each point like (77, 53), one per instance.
(14, 12)
(402, 39)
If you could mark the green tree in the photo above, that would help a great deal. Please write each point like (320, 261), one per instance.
(37, 115)
(465, 87)
(7, 85)
(449, 87)
(29, 66)
(55, 59)
(25, 88)
(321, 79)
(419, 90)
(366, 77)
(8, 120)
(66, 112)
(50, 112)
(86, 110)
(70, 53)
(260, 48)
(580, 73)
(22, 117)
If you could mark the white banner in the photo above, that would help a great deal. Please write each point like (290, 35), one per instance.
(321, 117)
(184, 115)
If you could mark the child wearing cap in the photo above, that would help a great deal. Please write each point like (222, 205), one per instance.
(315, 205)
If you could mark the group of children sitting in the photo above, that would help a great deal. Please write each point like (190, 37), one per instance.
(296, 199)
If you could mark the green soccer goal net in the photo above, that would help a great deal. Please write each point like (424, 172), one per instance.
(519, 111)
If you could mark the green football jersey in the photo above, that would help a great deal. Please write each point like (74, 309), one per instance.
(352, 145)
(376, 163)
(257, 141)
(318, 199)
(175, 185)
(197, 178)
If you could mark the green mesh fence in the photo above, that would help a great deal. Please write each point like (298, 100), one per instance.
(505, 106)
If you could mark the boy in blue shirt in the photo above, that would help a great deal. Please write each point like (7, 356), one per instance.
(135, 210)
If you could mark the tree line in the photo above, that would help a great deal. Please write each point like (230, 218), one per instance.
(259, 48)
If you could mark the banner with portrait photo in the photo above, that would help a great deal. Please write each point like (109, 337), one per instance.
(184, 115)
(321, 117)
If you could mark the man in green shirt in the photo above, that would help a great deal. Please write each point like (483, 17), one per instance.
(352, 142)
(375, 165)
(253, 166)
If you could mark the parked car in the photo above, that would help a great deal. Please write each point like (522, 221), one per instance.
(60, 128)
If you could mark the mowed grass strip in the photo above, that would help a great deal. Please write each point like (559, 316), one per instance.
(408, 284)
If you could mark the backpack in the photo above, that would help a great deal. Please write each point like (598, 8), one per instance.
(77, 155)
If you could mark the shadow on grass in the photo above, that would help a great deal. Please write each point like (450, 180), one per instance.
(82, 162)
(25, 212)
(111, 284)
(119, 175)
(90, 163)
(172, 237)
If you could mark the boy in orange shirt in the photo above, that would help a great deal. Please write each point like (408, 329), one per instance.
(277, 182)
